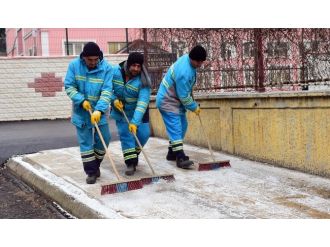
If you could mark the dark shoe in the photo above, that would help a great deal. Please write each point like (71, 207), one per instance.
(131, 166)
(91, 179)
(182, 161)
(130, 170)
(98, 173)
(184, 164)
(170, 155)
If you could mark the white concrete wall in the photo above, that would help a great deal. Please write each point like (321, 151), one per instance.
(18, 78)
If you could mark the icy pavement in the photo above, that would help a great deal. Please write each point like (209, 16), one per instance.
(246, 190)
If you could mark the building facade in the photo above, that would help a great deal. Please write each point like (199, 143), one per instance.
(62, 41)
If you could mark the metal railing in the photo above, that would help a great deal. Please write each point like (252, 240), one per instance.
(276, 79)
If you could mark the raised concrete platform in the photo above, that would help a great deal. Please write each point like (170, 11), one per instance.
(246, 190)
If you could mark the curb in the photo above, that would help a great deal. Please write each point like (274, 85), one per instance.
(34, 178)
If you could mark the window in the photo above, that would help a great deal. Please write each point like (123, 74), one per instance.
(316, 47)
(309, 73)
(229, 78)
(31, 51)
(249, 76)
(205, 79)
(228, 51)
(248, 49)
(44, 44)
(75, 48)
(277, 75)
(316, 67)
(278, 49)
(114, 47)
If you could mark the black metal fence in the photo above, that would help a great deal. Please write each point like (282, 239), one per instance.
(275, 80)
(255, 60)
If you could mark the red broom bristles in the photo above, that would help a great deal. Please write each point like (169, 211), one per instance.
(133, 185)
(121, 187)
(213, 165)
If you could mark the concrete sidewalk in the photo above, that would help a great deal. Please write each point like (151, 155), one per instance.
(246, 190)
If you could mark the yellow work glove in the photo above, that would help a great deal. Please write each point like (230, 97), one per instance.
(197, 111)
(118, 104)
(86, 105)
(132, 128)
(96, 116)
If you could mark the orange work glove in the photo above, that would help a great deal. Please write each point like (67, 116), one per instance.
(132, 128)
(96, 116)
(86, 105)
(197, 111)
(118, 104)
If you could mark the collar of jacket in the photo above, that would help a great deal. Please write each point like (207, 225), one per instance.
(98, 68)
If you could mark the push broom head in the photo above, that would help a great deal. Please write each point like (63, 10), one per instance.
(121, 187)
(155, 179)
(213, 165)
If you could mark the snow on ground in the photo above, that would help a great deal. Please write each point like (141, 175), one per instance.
(246, 190)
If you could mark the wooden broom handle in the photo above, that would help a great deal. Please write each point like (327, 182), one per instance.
(207, 138)
(106, 149)
(140, 146)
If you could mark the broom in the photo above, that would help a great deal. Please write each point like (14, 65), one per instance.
(213, 164)
(121, 185)
(155, 177)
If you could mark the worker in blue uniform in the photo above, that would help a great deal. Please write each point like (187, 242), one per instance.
(88, 83)
(174, 98)
(131, 94)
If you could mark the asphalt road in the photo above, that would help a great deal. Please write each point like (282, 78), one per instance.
(18, 200)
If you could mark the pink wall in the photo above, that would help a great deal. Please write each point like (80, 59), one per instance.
(99, 35)
(10, 37)
(57, 36)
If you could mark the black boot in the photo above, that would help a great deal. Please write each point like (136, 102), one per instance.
(92, 170)
(130, 170)
(182, 161)
(91, 179)
(131, 166)
(170, 154)
(98, 173)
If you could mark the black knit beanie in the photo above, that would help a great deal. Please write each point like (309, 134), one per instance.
(198, 53)
(91, 49)
(135, 57)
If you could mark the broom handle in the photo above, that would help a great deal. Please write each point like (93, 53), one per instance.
(207, 138)
(140, 146)
(106, 149)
